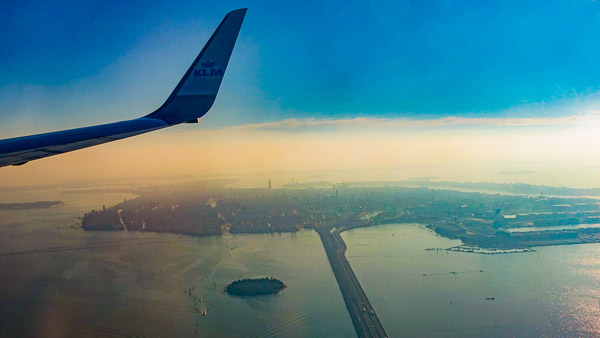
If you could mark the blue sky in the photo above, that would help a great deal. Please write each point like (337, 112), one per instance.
(66, 64)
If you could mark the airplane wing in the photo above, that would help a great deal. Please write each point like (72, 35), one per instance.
(190, 100)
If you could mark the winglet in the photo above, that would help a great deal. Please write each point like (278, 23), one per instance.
(196, 91)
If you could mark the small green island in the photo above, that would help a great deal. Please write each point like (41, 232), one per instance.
(255, 287)
(30, 205)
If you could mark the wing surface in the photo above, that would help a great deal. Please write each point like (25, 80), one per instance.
(191, 99)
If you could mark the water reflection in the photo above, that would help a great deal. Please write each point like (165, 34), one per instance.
(550, 292)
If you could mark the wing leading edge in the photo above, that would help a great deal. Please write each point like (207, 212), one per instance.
(193, 96)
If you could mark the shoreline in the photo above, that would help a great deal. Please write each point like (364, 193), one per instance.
(468, 247)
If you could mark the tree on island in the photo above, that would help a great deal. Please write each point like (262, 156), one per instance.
(256, 286)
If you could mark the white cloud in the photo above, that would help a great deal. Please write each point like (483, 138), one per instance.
(385, 124)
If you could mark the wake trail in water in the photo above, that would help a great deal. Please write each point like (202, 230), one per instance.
(282, 323)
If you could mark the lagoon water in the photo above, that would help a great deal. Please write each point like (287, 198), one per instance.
(554, 291)
(60, 281)
(56, 280)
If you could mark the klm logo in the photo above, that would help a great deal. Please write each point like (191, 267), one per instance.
(208, 70)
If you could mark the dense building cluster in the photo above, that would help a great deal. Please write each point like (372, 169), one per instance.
(475, 218)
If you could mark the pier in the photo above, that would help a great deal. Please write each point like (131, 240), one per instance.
(363, 315)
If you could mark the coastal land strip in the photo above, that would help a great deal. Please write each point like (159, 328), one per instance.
(484, 222)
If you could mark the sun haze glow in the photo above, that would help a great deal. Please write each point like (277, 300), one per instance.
(468, 149)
